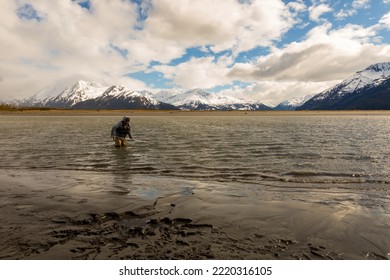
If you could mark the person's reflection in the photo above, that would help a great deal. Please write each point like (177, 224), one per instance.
(122, 177)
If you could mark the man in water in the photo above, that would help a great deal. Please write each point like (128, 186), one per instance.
(120, 131)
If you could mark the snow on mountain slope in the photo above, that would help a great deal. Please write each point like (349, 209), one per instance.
(184, 97)
(195, 96)
(119, 97)
(38, 98)
(81, 91)
(293, 103)
(365, 90)
(357, 81)
(121, 92)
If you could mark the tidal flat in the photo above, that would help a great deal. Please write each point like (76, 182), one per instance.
(196, 185)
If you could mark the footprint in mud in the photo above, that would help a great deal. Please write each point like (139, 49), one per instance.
(130, 235)
(168, 239)
(126, 235)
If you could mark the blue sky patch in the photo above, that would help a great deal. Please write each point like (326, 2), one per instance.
(152, 79)
(86, 4)
(252, 54)
(28, 12)
(195, 52)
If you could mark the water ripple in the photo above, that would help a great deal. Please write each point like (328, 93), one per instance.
(300, 150)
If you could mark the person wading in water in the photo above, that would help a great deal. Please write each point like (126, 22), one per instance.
(120, 131)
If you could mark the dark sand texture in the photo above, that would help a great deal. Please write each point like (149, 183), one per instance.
(58, 215)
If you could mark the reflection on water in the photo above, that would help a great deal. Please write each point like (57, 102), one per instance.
(283, 151)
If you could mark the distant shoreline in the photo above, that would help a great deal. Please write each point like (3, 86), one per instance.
(70, 112)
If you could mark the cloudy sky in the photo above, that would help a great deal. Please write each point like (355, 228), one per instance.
(268, 50)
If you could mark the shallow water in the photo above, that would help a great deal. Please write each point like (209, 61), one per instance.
(317, 150)
(348, 154)
(338, 162)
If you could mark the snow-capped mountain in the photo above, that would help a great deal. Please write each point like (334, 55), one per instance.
(71, 96)
(88, 95)
(40, 98)
(179, 98)
(293, 103)
(356, 92)
(119, 97)
(64, 97)
(198, 99)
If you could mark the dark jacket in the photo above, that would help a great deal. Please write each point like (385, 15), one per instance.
(121, 129)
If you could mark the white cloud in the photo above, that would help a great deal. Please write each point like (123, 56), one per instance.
(108, 42)
(297, 7)
(68, 40)
(315, 12)
(344, 13)
(385, 21)
(325, 55)
(198, 71)
(322, 59)
(386, 1)
(351, 9)
(50, 40)
(231, 26)
(361, 4)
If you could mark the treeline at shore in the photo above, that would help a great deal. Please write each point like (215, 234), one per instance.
(8, 107)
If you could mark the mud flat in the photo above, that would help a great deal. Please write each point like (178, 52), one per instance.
(62, 215)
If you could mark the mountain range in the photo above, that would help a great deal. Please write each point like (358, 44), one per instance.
(87, 95)
(368, 89)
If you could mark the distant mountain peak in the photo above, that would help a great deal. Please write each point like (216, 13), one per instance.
(114, 89)
(379, 67)
(293, 103)
(352, 93)
(198, 91)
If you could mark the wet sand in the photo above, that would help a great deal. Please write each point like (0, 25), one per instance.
(62, 215)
